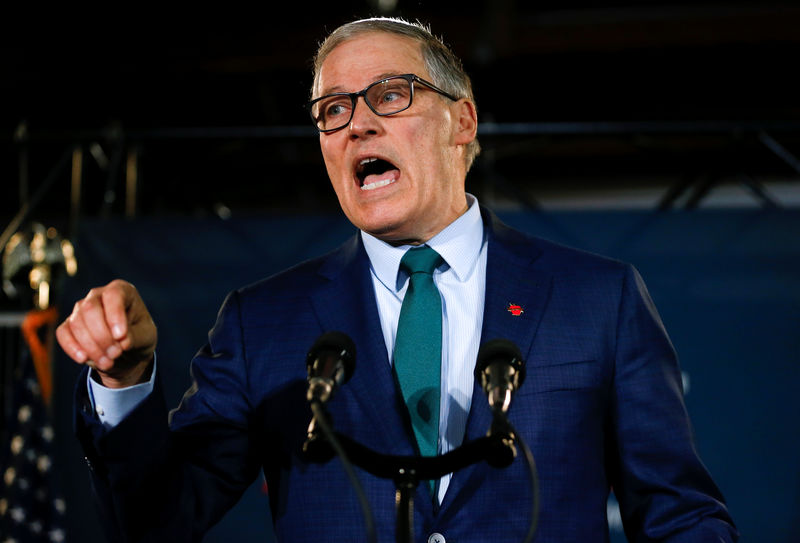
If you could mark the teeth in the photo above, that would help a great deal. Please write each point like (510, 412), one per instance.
(367, 161)
(377, 184)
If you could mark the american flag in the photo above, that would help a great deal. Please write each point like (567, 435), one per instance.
(31, 508)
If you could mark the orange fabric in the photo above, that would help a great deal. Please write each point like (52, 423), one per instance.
(40, 352)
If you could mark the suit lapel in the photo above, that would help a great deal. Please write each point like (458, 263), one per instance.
(347, 303)
(511, 280)
(516, 291)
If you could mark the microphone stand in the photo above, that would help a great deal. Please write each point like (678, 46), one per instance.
(497, 448)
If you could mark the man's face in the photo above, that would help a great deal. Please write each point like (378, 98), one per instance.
(416, 186)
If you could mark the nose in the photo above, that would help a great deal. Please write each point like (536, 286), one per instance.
(364, 122)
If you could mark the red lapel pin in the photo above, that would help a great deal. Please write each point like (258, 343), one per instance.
(515, 310)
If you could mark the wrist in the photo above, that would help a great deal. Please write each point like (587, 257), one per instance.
(134, 375)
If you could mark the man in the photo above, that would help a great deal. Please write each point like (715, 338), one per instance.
(602, 403)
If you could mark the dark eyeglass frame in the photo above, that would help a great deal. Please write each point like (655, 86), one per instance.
(410, 78)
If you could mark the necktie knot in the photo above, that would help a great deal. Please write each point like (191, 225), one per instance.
(420, 260)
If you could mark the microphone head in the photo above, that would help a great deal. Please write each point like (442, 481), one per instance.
(337, 344)
(499, 350)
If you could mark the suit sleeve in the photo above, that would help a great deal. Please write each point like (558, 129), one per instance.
(664, 491)
(161, 476)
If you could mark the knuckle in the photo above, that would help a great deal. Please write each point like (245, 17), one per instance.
(114, 285)
(93, 293)
(120, 285)
(116, 291)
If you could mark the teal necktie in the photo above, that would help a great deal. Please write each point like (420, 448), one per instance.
(418, 347)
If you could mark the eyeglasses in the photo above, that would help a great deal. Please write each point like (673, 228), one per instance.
(385, 97)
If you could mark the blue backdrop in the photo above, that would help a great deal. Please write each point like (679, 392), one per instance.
(727, 284)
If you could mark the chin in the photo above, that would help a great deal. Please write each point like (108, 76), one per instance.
(378, 220)
(387, 231)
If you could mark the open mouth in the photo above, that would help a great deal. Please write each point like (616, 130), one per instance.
(373, 173)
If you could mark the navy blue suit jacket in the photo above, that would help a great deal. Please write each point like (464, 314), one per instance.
(601, 406)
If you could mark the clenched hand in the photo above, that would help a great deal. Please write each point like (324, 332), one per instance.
(111, 331)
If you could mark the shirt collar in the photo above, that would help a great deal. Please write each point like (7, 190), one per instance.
(459, 244)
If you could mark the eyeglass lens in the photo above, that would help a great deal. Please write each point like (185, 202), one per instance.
(383, 97)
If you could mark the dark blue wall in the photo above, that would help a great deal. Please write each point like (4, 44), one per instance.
(727, 284)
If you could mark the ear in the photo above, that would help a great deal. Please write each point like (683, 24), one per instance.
(465, 120)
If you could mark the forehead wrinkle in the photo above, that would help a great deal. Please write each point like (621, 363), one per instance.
(340, 89)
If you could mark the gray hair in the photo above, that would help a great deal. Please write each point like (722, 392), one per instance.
(443, 65)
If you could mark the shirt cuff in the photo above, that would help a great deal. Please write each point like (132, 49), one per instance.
(113, 404)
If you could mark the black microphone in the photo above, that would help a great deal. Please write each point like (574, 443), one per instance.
(331, 362)
(500, 371)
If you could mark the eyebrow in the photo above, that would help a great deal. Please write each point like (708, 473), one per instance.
(338, 88)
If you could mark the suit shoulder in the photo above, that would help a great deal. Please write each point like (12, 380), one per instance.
(564, 256)
(556, 257)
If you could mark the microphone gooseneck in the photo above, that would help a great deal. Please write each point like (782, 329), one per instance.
(501, 371)
(331, 362)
